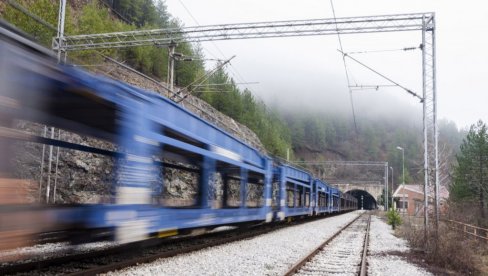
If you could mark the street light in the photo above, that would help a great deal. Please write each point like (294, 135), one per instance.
(403, 164)
(391, 168)
(403, 176)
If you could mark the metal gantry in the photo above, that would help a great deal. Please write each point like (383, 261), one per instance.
(423, 22)
(331, 26)
(375, 164)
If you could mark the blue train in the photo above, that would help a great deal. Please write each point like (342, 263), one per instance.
(153, 135)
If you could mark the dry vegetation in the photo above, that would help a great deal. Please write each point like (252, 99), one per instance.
(453, 254)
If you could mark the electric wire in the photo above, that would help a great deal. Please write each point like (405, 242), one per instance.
(235, 72)
(376, 87)
(384, 50)
(345, 69)
(383, 76)
(204, 78)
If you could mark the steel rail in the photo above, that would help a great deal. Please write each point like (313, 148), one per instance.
(244, 234)
(126, 252)
(38, 265)
(296, 267)
(364, 269)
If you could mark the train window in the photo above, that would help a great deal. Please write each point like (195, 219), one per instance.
(228, 185)
(290, 194)
(275, 193)
(307, 197)
(77, 177)
(322, 201)
(233, 192)
(255, 191)
(181, 185)
(216, 190)
(300, 196)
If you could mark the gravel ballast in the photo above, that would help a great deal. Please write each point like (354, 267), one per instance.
(269, 254)
(49, 250)
(381, 244)
(342, 256)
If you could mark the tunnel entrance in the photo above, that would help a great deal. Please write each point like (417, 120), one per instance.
(365, 200)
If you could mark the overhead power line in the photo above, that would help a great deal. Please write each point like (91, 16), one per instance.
(218, 84)
(345, 69)
(204, 78)
(383, 76)
(242, 80)
(370, 87)
(385, 50)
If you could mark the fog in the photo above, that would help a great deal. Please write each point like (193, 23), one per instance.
(307, 73)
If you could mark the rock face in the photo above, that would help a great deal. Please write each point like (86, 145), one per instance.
(194, 104)
(88, 178)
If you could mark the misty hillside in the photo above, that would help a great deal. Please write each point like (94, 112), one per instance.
(321, 136)
(325, 132)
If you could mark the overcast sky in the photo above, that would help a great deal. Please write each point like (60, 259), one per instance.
(308, 73)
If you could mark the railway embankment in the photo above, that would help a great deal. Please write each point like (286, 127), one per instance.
(268, 254)
(387, 254)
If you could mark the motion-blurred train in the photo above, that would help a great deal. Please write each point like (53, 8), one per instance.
(151, 133)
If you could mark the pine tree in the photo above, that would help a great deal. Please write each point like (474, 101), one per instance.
(471, 172)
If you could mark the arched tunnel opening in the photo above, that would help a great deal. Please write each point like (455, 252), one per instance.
(365, 200)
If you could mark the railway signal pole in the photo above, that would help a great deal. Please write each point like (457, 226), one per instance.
(171, 65)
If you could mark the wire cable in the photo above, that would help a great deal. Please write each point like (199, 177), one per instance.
(345, 69)
(383, 76)
(240, 79)
(384, 50)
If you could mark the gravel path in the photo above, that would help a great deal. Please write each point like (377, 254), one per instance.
(269, 254)
(381, 243)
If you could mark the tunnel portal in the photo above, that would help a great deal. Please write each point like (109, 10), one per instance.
(365, 200)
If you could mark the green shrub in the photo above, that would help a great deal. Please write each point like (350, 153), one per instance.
(394, 218)
(44, 9)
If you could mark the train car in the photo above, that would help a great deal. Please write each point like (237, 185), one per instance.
(230, 182)
(348, 202)
(322, 197)
(335, 196)
(152, 134)
(295, 191)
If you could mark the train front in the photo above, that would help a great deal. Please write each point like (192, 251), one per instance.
(70, 151)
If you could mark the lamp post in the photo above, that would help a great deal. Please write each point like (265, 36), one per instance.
(403, 176)
(403, 164)
(391, 168)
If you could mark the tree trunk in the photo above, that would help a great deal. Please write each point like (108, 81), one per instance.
(481, 196)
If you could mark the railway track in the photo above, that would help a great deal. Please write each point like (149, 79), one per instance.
(100, 261)
(344, 253)
(104, 260)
